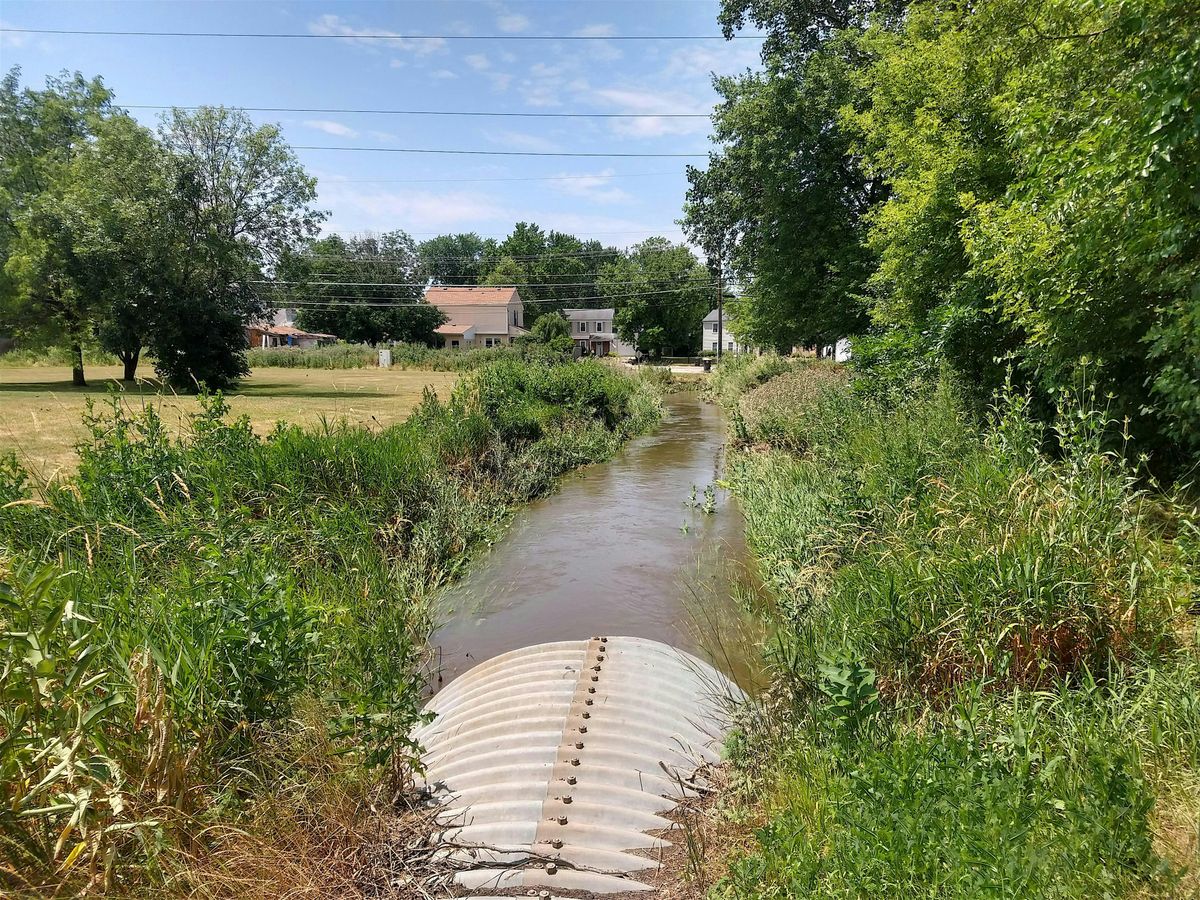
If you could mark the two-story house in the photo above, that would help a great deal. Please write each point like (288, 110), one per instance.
(711, 333)
(477, 316)
(592, 331)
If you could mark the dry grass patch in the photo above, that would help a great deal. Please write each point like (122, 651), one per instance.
(41, 413)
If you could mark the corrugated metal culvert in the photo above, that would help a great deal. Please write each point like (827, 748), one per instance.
(552, 763)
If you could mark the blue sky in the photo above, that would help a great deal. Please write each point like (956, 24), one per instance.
(619, 201)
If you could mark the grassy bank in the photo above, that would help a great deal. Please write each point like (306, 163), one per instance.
(213, 642)
(986, 679)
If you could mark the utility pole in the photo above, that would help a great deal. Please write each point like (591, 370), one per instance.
(720, 310)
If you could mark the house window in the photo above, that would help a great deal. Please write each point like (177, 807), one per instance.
(514, 317)
(454, 345)
(731, 345)
(714, 327)
(713, 347)
(583, 327)
(599, 326)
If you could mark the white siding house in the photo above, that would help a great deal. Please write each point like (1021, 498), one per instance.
(710, 333)
(592, 331)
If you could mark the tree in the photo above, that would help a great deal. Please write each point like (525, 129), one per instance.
(44, 297)
(1093, 251)
(783, 202)
(124, 191)
(927, 125)
(553, 330)
(345, 281)
(661, 293)
(554, 270)
(551, 326)
(244, 206)
(457, 258)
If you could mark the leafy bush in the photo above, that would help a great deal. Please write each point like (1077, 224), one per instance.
(927, 572)
(404, 356)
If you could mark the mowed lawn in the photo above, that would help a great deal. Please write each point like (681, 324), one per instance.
(41, 413)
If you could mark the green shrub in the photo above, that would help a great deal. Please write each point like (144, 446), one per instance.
(1010, 812)
(927, 572)
(404, 356)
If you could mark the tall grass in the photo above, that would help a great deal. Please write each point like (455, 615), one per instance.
(980, 643)
(185, 607)
(404, 356)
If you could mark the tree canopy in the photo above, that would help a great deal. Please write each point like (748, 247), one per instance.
(346, 282)
(661, 294)
(970, 190)
(115, 234)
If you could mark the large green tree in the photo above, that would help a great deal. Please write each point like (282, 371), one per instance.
(245, 205)
(344, 287)
(464, 258)
(926, 123)
(1093, 252)
(782, 202)
(47, 240)
(661, 294)
(555, 270)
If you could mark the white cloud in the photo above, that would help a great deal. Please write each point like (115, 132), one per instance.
(374, 38)
(519, 140)
(595, 188)
(9, 39)
(544, 85)
(512, 23)
(619, 232)
(645, 103)
(603, 51)
(598, 30)
(500, 80)
(443, 75)
(335, 128)
(382, 135)
(477, 61)
(702, 62)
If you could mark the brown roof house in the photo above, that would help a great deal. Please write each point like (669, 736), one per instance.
(478, 316)
(281, 331)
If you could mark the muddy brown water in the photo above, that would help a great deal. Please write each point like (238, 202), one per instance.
(647, 545)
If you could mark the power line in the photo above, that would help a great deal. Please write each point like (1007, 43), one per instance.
(535, 284)
(383, 35)
(372, 231)
(491, 256)
(435, 112)
(425, 284)
(483, 180)
(321, 301)
(501, 152)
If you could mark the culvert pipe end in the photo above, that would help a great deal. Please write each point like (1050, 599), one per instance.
(556, 760)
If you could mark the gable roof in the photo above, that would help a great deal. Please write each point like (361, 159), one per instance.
(583, 315)
(712, 316)
(469, 295)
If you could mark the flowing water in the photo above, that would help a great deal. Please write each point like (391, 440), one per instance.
(647, 545)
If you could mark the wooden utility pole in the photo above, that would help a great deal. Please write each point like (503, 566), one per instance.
(720, 310)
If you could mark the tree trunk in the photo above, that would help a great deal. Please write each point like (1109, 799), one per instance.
(130, 359)
(77, 378)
